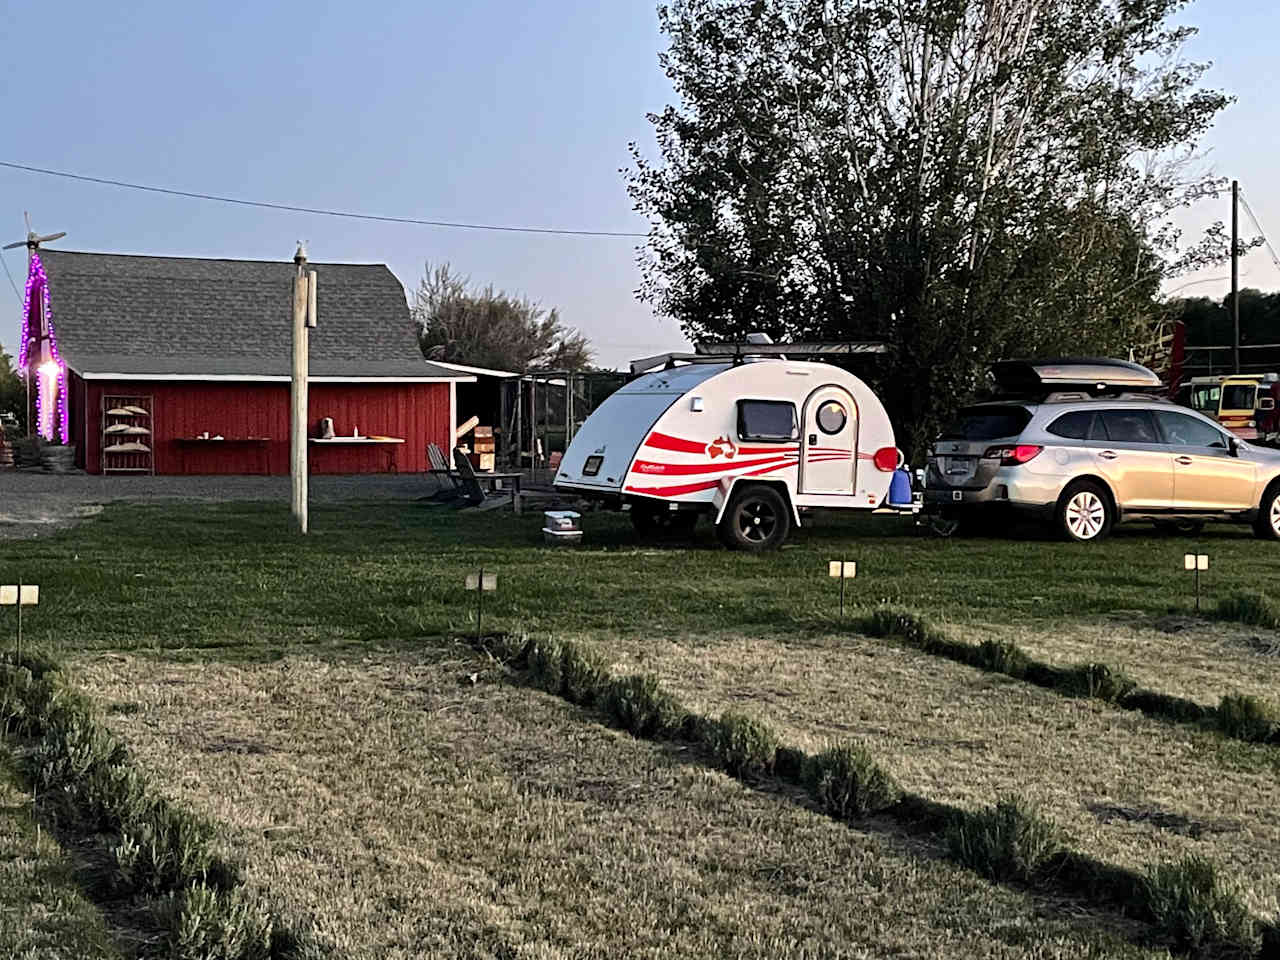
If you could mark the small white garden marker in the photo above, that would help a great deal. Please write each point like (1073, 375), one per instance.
(842, 570)
(481, 583)
(1196, 562)
(19, 595)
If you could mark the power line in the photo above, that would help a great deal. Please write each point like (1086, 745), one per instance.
(315, 210)
(5, 262)
(1252, 216)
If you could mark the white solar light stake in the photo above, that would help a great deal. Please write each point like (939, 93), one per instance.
(842, 570)
(481, 583)
(19, 595)
(1196, 562)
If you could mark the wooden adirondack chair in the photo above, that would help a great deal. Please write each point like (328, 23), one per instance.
(472, 491)
(468, 484)
(447, 477)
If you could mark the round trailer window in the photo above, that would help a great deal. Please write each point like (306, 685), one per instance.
(831, 417)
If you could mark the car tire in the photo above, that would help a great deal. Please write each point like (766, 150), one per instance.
(1266, 525)
(1085, 513)
(757, 519)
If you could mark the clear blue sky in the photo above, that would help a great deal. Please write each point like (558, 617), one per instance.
(493, 111)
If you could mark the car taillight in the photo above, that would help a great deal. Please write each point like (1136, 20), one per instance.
(1012, 456)
(886, 459)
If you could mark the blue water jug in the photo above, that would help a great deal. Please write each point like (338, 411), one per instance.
(900, 489)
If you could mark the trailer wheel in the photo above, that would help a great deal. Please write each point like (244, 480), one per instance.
(757, 519)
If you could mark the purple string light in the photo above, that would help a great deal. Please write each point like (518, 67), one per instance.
(37, 278)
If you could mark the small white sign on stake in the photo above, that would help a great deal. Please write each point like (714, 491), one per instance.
(848, 569)
(9, 595)
(489, 582)
(1196, 562)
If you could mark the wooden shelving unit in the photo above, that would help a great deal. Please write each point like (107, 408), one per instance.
(128, 434)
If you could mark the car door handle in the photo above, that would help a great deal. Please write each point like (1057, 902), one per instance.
(1108, 454)
(1185, 461)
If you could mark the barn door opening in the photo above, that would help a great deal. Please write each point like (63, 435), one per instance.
(829, 442)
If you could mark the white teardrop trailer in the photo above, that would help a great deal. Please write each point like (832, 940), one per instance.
(745, 433)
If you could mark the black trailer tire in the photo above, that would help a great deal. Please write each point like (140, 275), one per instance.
(1266, 525)
(1085, 512)
(757, 519)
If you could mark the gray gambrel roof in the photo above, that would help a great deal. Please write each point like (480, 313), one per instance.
(177, 316)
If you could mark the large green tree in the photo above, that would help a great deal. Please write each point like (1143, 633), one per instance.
(965, 179)
(487, 328)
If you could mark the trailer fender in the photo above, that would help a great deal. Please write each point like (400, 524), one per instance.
(727, 486)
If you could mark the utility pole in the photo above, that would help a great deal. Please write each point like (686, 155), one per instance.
(304, 317)
(1235, 274)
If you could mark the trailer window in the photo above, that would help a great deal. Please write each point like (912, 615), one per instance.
(767, 420)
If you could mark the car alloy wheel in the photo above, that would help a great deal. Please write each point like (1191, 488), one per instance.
(1086, 515)
(1275, 516)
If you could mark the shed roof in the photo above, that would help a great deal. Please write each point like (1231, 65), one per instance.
(182, 317)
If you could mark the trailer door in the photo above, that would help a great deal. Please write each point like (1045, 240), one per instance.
(829, 442)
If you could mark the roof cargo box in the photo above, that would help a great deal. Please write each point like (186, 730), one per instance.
(1093, 375)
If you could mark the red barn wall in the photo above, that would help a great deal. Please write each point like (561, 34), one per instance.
(418, 412)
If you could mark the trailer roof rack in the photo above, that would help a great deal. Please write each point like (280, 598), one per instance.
(737, 352)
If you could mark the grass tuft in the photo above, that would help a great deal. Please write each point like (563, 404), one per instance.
(1249, 607)
(546, 661)
(1247, 718)
(584, 672)
(746, 746)
(848, 783)
(638, 704)
(1002, 657)
(205, 924)
(1010, 841)
(1190, 903)
(1099, 681)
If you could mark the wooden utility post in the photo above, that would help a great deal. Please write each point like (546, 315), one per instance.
(1235, 274)
(304, 317)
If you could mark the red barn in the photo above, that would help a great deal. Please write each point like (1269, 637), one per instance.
(179, 365)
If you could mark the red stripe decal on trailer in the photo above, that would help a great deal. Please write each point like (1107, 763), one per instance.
(780, 448)
(677, 490)
(663, 441)
(685, 469)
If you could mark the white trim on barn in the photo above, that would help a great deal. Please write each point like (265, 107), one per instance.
(478, 371)
(262, 378)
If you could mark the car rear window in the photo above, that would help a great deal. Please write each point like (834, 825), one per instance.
(1080, 425)
(987, 423)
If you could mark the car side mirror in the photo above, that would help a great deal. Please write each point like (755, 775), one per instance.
(1234, 446)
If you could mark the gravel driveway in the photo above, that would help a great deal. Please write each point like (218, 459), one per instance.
(32, 502)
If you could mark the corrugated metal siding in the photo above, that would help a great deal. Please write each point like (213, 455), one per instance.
(418, 412)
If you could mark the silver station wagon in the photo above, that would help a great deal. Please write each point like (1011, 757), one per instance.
(1078, 445)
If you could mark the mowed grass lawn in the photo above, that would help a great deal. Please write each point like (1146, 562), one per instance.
(306, 694)
(406, 812)
(232, 576)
